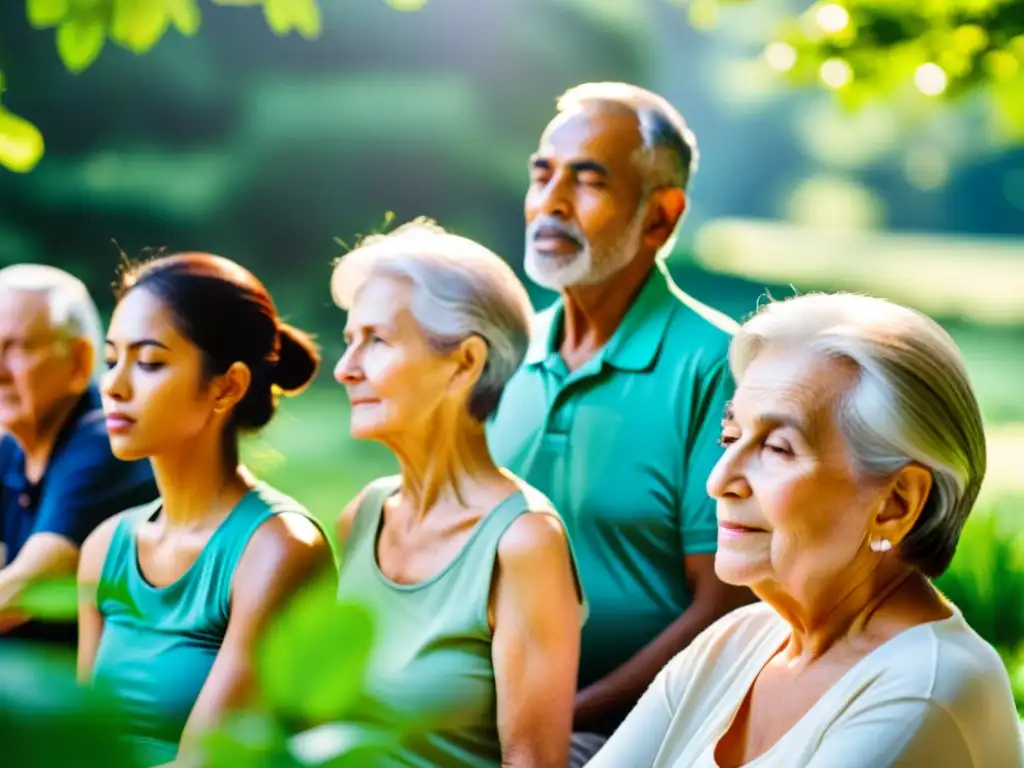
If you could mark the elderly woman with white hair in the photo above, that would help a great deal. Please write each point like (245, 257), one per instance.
(468, 569)
(854, 452)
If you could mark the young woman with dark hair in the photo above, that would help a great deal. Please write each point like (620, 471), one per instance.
(185, 586)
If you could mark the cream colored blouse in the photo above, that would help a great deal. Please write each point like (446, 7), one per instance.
(934, 696)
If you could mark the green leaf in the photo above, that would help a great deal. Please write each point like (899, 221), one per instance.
(79, 42)
(47, 719)
(138, 25)
(313, 660)
(21, 143)
(50, 600)
(279, 16)
(185, 16)
(46, 13)
(306, 18)
(406, 5)
(247, 740)
(301, 15)
(1008, 103)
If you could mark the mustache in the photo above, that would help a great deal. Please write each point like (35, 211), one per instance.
(548, 226)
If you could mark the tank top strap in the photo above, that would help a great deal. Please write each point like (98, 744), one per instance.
(119, 563)
(472, 574)
(494, 524)
(366, 521)
(224, 550)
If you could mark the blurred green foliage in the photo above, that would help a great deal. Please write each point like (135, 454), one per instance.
(311, 670)
(83, 28)
(303, 674)
(46, 719)
(21, 143)
(861, 49)
(986, 581)
(867, 49)
(887, 50)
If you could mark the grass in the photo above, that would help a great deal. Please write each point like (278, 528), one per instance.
(307, 452)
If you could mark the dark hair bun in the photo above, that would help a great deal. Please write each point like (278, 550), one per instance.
(225, 310)
(298, 359)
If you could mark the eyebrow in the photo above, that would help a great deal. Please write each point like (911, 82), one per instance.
(577, 166)
(141, 343)
(389, 327)
(776, 418)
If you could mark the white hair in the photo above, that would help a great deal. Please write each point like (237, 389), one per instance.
(460, 289)
(669, 155)
(912, 402)
(72, 312)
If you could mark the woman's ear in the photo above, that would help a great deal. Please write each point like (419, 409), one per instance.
(230, 387)
(470, 359)
(908, 494)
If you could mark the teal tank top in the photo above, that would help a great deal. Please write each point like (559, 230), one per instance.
(431, 676)
(158, 643)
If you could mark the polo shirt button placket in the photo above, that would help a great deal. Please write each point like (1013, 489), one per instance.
(24, 501)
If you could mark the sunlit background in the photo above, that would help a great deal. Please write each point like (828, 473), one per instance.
(822, 168)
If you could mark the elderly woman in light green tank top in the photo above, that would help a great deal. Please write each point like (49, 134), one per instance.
(185, 586)
(469, 569)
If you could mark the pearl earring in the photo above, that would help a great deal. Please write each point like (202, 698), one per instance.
(880, 545)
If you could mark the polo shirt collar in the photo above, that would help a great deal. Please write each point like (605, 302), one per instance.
(635, 344)
(544, 336)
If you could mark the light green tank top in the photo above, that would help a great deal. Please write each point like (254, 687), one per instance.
(431, 675)
(159, 643)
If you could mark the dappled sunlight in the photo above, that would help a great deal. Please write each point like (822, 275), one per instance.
(976, 279)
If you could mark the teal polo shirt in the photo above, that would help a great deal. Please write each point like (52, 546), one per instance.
(623, 447)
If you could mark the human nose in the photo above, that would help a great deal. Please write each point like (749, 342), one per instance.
(728, 478)
(347, 370)
(551, 198)
(116, 383)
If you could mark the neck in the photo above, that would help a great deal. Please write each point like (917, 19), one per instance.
(196, 483)
(444, 462)
(38, 440)
(592, 313)
(819, 624)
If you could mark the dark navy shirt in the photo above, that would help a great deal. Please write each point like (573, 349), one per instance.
(83, 485)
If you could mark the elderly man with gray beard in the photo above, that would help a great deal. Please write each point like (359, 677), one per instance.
(615, 412)
(58, 478)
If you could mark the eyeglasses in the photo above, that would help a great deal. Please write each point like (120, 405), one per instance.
(22, 351)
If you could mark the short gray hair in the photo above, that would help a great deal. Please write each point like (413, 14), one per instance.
(669, 156)
(460, 289)
(913, 402)
(72, 312)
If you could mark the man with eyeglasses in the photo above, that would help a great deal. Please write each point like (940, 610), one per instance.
(58, 478)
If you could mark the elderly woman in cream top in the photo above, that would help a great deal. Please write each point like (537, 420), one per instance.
(854, 452)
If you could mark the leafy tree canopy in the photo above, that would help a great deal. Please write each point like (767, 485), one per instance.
(860, 49)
